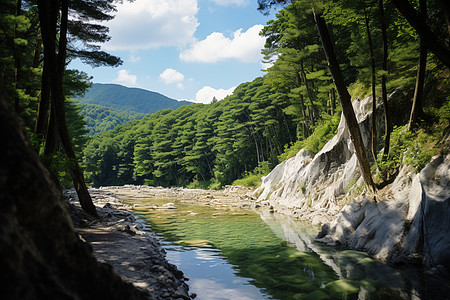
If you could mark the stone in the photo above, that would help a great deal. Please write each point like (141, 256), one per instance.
(391, 226)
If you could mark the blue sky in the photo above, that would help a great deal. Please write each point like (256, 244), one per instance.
(185, 49)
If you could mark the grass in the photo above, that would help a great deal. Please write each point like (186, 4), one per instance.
(253, 179)
(417, 147)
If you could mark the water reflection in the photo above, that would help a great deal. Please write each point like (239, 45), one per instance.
(210, 275)
(234, 254)
(369, 275)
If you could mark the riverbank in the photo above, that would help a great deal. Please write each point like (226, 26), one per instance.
(255, 245)
(119, 240)
(234, 196)
(116, 238)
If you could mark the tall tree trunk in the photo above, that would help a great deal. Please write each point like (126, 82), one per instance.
(252, 133)
(445, 7)
(48, 11)
(416, 20)
(51, 134)
(387, 121)
(305, 129)
(346, 103)
(417, 106)
(373, 76)
(44, 103)
(332, 101)
(17, 57)
(310, 94)
(37, 50)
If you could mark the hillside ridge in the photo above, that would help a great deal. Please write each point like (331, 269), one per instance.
(124, 98)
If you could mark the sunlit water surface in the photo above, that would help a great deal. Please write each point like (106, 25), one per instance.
(229, 253)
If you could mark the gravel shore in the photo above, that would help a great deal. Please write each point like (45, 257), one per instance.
(119, 240)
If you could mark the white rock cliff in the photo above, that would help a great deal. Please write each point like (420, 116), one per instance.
(408, 222)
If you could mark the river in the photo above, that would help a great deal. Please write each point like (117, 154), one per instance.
(231, 253)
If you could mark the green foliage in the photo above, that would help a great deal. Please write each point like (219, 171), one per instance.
(315, 142)
(415, 148)
(200, 185)
(322, 134)
(249, 180)
(76, 125)
(253, 178)
(101, 118)
(58, 166)
(196, 144)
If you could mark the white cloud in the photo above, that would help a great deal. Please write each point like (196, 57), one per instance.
(125, 78)
(231, 2)
(144, 24)
(244, 46)
(267, 64)
(134, 58)
(207, 93)
(172, 76)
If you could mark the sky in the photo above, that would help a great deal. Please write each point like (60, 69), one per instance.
(184, 49)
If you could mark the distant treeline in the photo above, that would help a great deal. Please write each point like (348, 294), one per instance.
(294, 105)
(214, 143)
(101, 118)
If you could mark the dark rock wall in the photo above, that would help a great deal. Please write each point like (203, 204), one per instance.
(41, 256)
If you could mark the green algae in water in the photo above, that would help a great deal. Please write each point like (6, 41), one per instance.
(246, 242)
(269, 262)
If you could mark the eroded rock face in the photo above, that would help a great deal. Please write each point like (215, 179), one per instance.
(318, 183)
(410, 225)
(429, 214)
(409, 220)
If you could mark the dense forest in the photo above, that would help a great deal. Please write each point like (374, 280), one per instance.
(101, 118)
(217, 142)
(294, 105)
(321, 54)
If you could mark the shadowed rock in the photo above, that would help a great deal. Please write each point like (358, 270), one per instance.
(41, 256)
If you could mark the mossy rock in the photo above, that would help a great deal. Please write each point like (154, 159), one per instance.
(316, 295)
(194, 243)
(366, 261)
(369, 284)
(338, 288)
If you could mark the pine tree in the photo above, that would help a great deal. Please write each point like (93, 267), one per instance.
(55, 57)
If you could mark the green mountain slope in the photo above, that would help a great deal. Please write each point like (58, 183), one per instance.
(100, 118)
(123, 98)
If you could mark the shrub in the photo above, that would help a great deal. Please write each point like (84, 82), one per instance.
(315, 142)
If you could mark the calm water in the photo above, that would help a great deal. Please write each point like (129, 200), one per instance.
(229, 253)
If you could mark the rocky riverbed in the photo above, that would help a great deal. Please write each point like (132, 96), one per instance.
(119, 239)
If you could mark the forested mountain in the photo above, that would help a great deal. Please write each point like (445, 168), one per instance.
(101, 118)
(296, 104)
(214, 143)
(373, 50)
(323, 55)
(123, 98)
